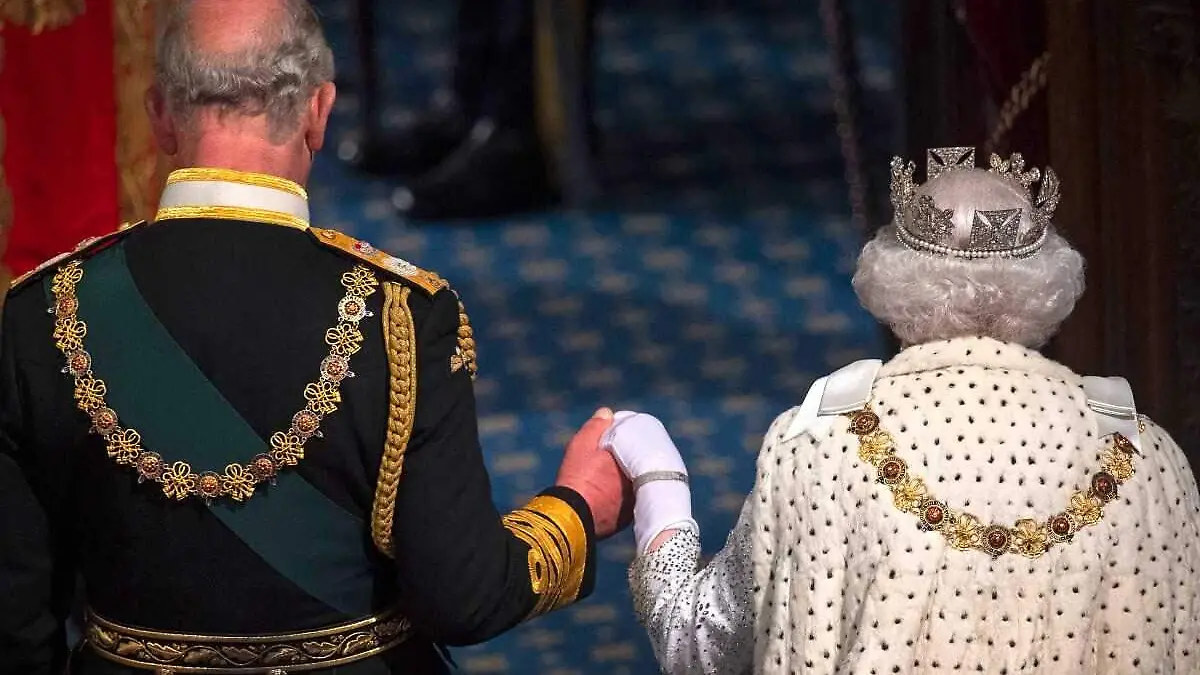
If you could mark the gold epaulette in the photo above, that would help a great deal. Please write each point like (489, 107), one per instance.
(423, 279)
(81, 249)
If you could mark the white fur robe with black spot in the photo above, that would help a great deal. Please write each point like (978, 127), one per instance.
(824, 575)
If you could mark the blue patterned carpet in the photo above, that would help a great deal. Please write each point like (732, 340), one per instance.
(711, 289)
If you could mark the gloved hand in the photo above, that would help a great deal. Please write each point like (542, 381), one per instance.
(648, 456)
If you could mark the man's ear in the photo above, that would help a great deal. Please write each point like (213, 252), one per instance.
(161, 122)
(320, 106)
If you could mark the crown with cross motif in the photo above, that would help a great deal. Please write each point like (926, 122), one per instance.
(994, 214)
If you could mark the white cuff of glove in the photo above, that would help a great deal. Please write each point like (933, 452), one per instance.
(661, 505)
(648, 456)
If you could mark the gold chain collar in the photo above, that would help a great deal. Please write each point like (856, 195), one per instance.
(964, 531)
(237, 481)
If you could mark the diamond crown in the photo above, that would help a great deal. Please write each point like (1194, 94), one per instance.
(996, 233)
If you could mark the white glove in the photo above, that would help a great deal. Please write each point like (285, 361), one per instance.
(648, 456)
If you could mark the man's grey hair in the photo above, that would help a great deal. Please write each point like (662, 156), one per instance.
(274, 76)
(924, 297)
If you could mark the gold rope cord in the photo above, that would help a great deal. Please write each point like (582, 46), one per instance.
(1032, 82)
(40, 15)
(398, 336)
(557, 550)
(138, 163)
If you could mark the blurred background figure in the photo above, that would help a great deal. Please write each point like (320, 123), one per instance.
(485, 146)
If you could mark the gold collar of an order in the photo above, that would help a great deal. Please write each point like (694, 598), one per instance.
(1028, 536)
(179, 481)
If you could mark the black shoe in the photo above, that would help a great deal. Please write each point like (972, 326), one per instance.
(495, 172)
(412, 149)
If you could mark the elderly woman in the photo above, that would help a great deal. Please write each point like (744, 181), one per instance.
(969, 506)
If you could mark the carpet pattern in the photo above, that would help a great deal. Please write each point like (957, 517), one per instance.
(710, 289)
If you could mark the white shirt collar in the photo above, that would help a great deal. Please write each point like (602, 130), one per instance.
(233, 195)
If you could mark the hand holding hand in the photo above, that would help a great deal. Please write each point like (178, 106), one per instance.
(595, 476)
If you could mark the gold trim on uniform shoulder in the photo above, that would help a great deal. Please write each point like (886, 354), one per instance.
(180, 653)
(239, 177)
(557, 550)
(464, 352)
(81, 247)
(232, 213)
(400, 340)
(427, 281)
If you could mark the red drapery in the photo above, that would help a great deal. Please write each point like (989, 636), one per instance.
(57, 97)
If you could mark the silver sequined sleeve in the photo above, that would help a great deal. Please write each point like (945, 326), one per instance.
(699, 620)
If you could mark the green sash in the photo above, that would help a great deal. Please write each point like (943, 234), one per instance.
(156, 388)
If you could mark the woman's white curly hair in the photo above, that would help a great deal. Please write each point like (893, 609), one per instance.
(924, 297)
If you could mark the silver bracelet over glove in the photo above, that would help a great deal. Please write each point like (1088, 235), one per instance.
(649, 458)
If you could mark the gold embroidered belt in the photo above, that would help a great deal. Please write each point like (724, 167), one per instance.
(279, 654)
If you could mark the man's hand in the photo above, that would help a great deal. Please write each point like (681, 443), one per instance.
(594, 474)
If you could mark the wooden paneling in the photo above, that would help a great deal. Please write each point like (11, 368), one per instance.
(1108, 142)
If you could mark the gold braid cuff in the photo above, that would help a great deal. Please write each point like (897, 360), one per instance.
(557, 550)
(180, 654)
(398, 335)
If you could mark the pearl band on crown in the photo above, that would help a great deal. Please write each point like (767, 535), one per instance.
(922, 226)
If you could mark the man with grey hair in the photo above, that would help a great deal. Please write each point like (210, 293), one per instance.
(253, 439)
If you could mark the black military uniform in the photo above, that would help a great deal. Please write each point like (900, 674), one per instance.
(255, 442)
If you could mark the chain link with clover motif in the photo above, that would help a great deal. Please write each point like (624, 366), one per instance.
(237, 481)
(1028, 536)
